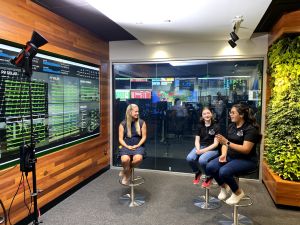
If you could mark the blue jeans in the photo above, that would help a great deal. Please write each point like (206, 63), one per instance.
(224, 173)
(194, 160)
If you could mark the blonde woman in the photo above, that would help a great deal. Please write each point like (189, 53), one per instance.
(132, 136)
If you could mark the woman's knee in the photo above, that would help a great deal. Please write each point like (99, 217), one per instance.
(210, 168)
(225, 172)
(191, 156)
(125, 159)
(203, 162)
(213, 166)
(138, 158)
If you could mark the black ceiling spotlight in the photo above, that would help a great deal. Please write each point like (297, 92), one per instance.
(232, 43)
(234, 37)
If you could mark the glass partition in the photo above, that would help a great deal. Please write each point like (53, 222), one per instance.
(198, 83)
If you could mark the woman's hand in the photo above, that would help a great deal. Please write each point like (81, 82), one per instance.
(222, 140)
(130, 147)
(198, 151)
(134, 147)
(222, 159)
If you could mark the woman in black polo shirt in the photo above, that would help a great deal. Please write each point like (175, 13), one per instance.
(206, 146)
(238, 153)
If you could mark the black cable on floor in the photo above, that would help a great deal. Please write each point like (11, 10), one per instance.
(24, 195)
(8, 214)
(31, 198)
(4, 212)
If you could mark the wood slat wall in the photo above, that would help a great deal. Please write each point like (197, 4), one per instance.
(59, 171)
(288, 23)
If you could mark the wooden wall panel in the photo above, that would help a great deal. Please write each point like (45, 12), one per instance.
(59, 171)
(288, 23)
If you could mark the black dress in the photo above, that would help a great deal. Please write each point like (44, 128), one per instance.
(134, 140)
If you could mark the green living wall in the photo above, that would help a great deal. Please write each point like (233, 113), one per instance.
(282, 141)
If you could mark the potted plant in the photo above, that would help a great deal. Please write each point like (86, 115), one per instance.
(282, 140)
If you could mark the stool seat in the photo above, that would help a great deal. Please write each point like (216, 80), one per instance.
(132, 199)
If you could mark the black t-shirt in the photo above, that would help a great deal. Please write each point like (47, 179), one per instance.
(207, 134)
(246, 132)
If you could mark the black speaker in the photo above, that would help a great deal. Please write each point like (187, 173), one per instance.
(26, 158)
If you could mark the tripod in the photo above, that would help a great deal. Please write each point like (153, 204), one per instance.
(27, 153)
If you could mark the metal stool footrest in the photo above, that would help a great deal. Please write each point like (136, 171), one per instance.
(1, 219)
(135, 182)
(132, 199)
(235, 218)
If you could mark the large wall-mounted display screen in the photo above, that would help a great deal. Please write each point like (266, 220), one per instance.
(65, 103)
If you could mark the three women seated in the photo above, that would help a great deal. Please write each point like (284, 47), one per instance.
(238, 148)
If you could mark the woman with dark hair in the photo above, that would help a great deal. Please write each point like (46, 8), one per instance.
(132, 136)
(205, 146)
(238, 153)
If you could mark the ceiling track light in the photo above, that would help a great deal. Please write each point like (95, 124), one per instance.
(232, 43)
(234, 37)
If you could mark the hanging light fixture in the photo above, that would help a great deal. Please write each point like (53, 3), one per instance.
(233, 35)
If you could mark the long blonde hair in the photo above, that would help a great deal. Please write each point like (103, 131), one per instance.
(129, 121)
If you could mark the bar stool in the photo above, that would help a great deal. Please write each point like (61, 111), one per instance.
(206, 201)
(235, 218)
(132, 199)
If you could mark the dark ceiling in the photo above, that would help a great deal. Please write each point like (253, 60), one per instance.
(275, 10)
(108, 30)
(92, 20)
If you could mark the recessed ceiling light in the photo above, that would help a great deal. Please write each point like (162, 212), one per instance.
(153, 21)
(145, 11)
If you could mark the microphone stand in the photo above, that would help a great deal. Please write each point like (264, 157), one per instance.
(32, 160)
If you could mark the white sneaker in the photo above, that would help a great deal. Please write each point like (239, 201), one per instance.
(235, 199)
(223, 194)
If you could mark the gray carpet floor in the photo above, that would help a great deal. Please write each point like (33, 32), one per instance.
(169, 201)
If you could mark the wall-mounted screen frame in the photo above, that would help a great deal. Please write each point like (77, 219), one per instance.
(65, 100)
